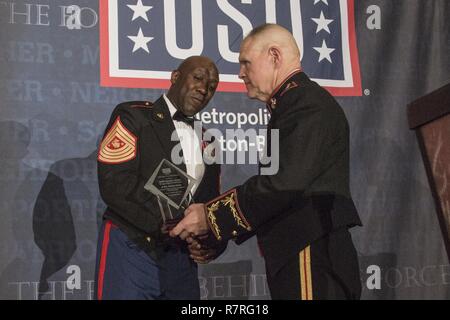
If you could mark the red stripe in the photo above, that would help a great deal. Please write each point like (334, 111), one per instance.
(356, 90)
(101, 272)
(306, 275)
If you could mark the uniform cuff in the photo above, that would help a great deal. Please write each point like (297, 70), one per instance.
(225, 218)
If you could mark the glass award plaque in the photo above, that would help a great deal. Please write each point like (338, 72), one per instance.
(172, 188)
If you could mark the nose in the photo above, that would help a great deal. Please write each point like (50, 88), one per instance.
(241, 73)
(202, 88)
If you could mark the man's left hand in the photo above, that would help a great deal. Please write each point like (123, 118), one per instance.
(200, 253)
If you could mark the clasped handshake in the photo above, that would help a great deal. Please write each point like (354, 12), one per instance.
(194, 229)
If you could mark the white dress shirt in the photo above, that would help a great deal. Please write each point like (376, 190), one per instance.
(191, 146)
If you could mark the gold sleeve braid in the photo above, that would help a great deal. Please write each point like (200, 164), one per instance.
(219, 212)
(212, 219)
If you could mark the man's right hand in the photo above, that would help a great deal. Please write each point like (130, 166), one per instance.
(193, 224)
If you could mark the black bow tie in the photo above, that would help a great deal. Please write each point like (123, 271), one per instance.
(179, 116)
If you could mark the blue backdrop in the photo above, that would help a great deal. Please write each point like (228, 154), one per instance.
(63, 69)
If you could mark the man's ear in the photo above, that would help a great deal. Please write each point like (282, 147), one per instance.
(275, 54)
(174, 76)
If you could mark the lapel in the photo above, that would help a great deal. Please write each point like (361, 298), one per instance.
(163, 127)
(208, 175)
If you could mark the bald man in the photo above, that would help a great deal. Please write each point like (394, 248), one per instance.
(302, 213)
(135, 258)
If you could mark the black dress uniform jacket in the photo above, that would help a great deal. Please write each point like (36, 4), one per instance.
(136, 139)
(309, 196)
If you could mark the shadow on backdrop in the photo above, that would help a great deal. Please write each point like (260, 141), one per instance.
(19, 184)
(66, 217)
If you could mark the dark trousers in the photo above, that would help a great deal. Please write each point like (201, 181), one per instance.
(327, 269)
(125, 272)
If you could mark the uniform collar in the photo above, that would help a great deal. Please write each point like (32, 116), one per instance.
(170, 105)
(281, 89)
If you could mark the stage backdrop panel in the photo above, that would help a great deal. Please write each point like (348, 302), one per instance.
(63, 68)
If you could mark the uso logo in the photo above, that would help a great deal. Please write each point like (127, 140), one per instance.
(142, 41)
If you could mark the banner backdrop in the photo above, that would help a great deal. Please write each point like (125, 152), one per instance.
(65, 64)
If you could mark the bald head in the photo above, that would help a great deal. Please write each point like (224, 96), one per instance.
(197, 61)
(194, 83)
(270, 34)
(268, 54)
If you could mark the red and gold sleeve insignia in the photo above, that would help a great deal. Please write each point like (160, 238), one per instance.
(118, 145)
(225, 217)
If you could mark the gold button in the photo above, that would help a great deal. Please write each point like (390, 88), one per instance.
(234, 233)
(148, 239)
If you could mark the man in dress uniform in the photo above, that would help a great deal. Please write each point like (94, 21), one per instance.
(135, 258)
(302, 213)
